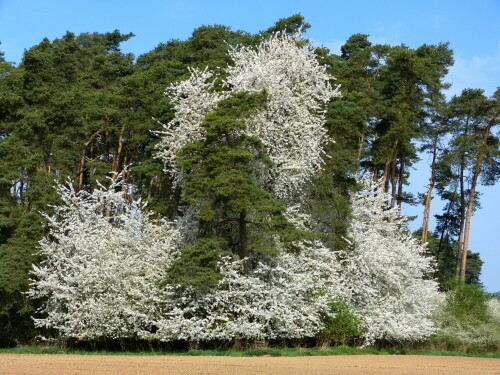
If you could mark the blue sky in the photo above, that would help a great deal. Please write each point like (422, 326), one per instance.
(471, 27)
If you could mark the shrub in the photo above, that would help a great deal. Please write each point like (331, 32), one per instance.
(466, 300)
(341, 326)
(467, 321)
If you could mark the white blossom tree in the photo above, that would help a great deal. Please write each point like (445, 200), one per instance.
(283, 297)
(102, 263)
(387, 271)
(291, 130)
(105, 260)
(291, 127)
(192, 100)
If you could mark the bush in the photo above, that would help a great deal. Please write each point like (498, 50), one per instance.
(467, 321)
(341, 326)
(466, 300)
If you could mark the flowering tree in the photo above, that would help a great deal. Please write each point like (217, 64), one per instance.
(291, 125)
(103, 260)
(386, 271)
(283, 297)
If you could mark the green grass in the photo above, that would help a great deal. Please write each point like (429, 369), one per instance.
(273, 352)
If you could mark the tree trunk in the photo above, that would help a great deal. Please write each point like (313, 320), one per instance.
(91, 170)
(402, 165)
(119, 147)
(462, 219)
(243, 241)
(375, 167)
(360, 151)
(470, 208)
(81, 169)
(150, 188)
(393, 183)
(428, 197)
(388, 164)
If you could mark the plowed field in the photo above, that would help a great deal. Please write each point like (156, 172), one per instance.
(49, 364)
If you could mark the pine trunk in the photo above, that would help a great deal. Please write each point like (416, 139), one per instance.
(470, 207)
(388, 163)
(393, 183)
(243, 241)
(402, 165)
(462, 220)
(428, 197)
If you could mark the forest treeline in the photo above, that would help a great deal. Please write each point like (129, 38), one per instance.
(79, 107)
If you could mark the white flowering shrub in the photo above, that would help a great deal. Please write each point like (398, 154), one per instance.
(494, 309)
(467, 320)
(291, 127)
(102, 263)
(105, 260)
(283, 297)
(386, 270)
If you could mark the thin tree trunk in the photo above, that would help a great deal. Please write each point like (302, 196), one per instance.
(150, 188)
(21, 192)
(393, 183)
(91, 170)
(81, 168)
(470, 208)
(388, 164)
(428, 197)
(462, 220)
(243, 241)
(402, 165)
(375, 167)
(360, 151)
(460, 249)
(119, 147)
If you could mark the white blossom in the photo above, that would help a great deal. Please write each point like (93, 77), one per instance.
(283, 297)
(387, 271)
(291, 127)
(105, 260)
(102, 264)
(192, 100)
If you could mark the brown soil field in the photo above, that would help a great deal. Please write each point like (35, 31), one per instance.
(50, 364)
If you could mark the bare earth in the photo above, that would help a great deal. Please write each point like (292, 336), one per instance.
(49, 364)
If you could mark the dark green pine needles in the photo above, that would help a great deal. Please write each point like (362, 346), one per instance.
(223, 176)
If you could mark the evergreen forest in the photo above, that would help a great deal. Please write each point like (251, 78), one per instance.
(241, 188)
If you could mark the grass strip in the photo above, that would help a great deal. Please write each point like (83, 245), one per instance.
(273, 352)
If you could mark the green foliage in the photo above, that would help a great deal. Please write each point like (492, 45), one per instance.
(465, 321)
(465, 301)
(197, 265)
(444, 250)
(266, 351)
(340, 326)
(289, 25)
(222, 177)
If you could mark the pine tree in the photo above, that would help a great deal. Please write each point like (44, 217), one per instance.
(221, 175)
